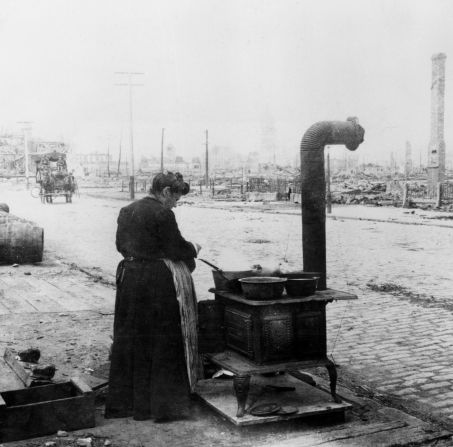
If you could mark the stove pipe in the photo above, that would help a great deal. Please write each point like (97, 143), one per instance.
(313, 186)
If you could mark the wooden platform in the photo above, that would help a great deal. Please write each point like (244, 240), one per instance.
(310, 401)
(28, 289)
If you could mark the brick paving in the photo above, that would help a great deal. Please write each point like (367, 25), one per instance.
(401, 348)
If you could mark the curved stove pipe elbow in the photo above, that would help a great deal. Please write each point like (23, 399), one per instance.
(313, 186)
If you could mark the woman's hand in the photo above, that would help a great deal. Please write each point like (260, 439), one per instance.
(197, 247)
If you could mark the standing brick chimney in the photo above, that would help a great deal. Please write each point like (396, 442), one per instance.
(436, 150)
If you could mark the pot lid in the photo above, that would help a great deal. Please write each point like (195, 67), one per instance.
(265, 409)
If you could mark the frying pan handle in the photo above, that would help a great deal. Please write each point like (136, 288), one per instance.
(211, 265)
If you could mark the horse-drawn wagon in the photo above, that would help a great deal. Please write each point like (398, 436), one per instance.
(53, 178)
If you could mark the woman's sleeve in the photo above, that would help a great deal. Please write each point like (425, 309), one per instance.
(173, 244)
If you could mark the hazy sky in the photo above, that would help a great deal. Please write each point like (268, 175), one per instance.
(250, 71)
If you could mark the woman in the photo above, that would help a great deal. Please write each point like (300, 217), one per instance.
(148, 376)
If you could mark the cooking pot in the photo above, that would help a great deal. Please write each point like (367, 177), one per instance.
(301, 286)
(227, 281)
(262, 287)
(301, 283)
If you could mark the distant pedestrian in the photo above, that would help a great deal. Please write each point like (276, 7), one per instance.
(289, 193)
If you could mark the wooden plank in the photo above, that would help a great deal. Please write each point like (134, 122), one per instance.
(8, 378)
(16, 289)
(43, 393)
(95, 383)
(65, 301)
(3, 310)
(68, 298)
(18, 282)
(238, 364)
(13, 300)
(31, 294)
(23, 375)
(106, 293)
(76, 296)
(348, 433)
(378, 434)
(27, 289)
(417, 435)
(87, 294)
(41, 300)
(219, 395)
(81, 385)
(333, 437)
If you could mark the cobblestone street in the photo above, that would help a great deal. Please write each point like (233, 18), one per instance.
(401, 348)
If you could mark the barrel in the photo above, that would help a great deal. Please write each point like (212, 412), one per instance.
(21, 241)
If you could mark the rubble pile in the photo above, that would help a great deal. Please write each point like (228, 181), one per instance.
(364, 192)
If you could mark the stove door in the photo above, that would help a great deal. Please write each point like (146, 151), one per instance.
(278, 337)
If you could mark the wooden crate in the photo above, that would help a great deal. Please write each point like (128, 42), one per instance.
(42, 410)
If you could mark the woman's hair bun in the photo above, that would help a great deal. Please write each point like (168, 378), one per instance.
(169, 179)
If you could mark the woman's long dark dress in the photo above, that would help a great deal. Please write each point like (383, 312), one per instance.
(148, 375)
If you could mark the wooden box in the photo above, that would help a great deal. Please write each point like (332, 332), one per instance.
(43, 410)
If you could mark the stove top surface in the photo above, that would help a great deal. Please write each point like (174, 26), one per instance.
(320, 295)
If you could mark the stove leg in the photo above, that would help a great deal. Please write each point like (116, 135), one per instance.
(241, 384)
(332, 370)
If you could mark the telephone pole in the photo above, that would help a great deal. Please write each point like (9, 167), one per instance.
(206, 175)
(129, 84)
(108, 160)
(26, 126)
(119, 158)
(162, 152)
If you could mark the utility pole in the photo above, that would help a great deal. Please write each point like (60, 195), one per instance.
(206, 175)
(26, 126)
(162, 152)
(131, 121)
(108, 160)
(119, 159)
(242, 181)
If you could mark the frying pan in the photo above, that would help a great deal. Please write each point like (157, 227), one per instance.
(215, 268)
(227, 280)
